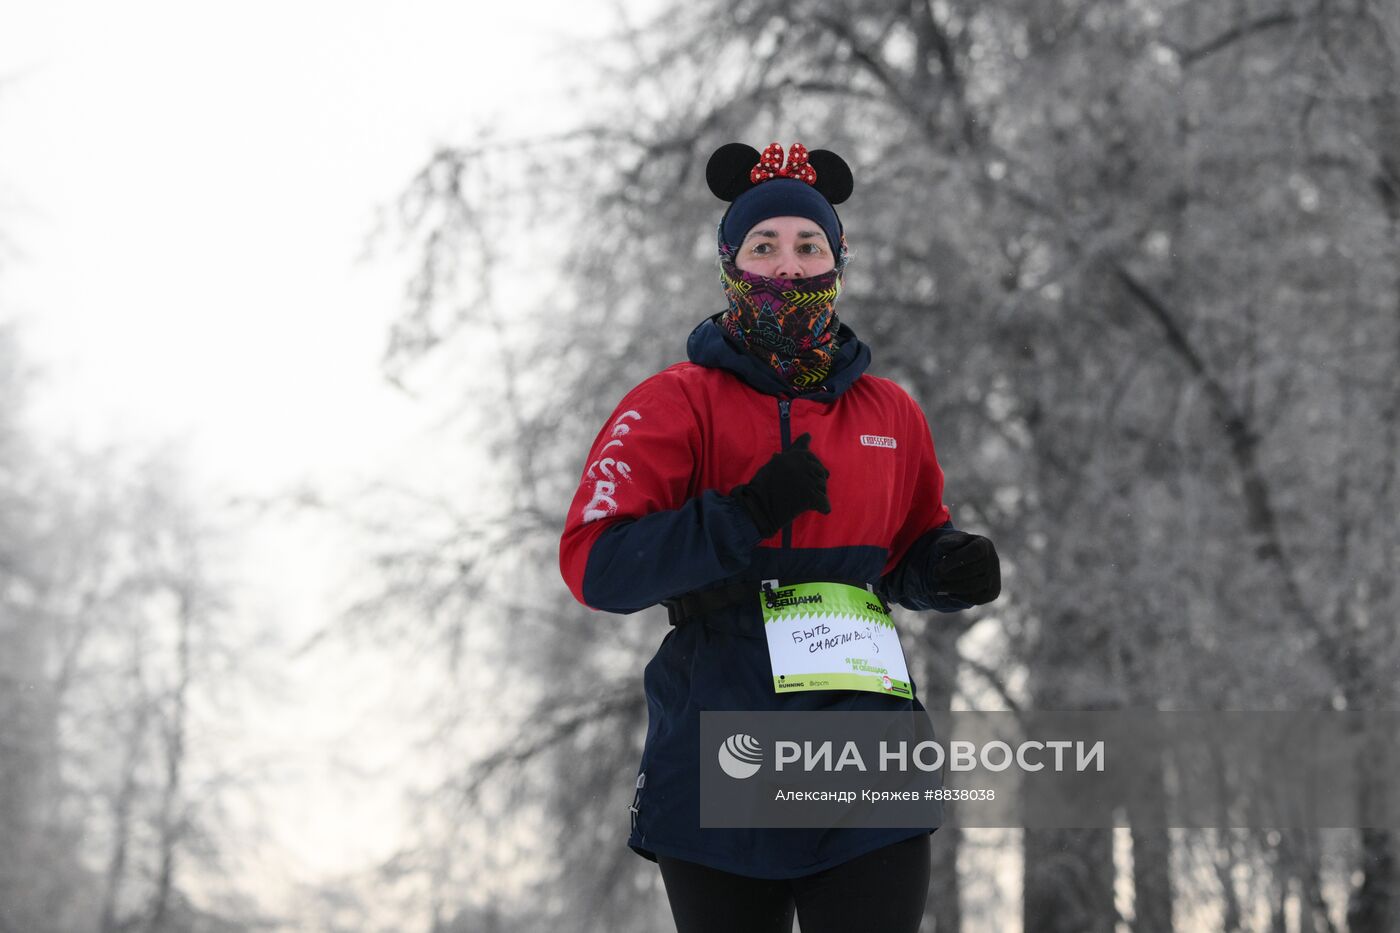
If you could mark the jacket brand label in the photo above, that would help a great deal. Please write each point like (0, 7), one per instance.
(876, 440)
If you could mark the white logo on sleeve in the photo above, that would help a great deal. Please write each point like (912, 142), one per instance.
(603, 504)
(877, 440)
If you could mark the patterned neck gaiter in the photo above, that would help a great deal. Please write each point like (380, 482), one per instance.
(788, 323)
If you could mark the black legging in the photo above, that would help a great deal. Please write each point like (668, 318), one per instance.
(882, 890)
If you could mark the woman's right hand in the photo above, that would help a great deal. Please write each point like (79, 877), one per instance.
(790, 483)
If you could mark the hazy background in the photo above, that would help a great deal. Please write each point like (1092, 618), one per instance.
(308, 314)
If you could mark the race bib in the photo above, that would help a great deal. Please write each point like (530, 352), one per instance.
(832, 636)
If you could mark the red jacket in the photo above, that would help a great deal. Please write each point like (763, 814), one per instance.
(693, 428)
(652, 519)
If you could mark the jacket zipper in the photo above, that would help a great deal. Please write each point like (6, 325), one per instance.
(783, 405)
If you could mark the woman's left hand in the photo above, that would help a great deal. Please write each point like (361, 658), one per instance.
(966, 567)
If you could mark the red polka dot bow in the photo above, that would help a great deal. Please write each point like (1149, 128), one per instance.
(770, 165)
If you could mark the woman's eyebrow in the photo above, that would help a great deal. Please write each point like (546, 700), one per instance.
(801, 234)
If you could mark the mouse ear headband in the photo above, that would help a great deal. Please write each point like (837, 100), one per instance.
(761, 186)
(735, 168)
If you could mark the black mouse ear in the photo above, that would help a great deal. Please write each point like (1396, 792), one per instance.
(727, 172)
(834, 179)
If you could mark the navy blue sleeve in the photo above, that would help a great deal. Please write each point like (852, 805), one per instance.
(905, 584)
(637, 563)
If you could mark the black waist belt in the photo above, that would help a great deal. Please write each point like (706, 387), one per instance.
(693, 605)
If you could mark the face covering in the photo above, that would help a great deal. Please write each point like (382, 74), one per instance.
(790, 324)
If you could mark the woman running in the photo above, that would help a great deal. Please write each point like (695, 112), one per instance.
(771, 454)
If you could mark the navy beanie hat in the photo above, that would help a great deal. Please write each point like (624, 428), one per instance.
(781, 197)
(760, 187)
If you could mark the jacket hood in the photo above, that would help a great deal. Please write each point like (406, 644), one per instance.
(711, 345)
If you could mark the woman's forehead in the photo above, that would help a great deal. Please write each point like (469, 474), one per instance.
(773, 225)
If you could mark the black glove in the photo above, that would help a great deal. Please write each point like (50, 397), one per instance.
(965, 567)
(790, 483)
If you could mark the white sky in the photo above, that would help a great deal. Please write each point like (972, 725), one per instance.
(191, 184)
(188, 187)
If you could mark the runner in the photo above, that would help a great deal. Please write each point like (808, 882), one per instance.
(771, 454)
